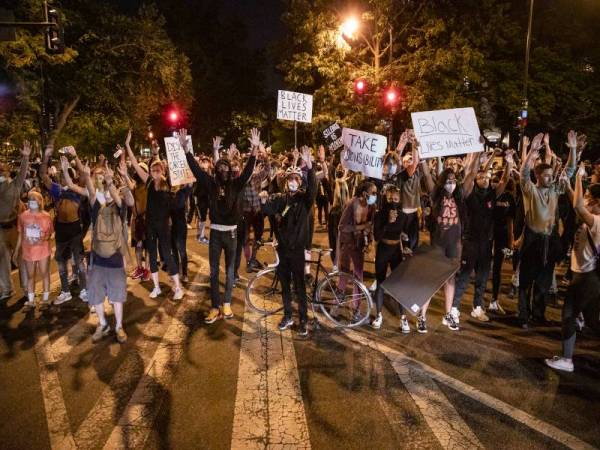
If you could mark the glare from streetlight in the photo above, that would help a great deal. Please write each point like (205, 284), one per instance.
(349, 27)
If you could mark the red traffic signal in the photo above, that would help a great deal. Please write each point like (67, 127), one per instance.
(391, 97)
(173, 116)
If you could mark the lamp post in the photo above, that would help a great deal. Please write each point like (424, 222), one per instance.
(523, 114)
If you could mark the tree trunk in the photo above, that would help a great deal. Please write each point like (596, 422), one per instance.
(62, 119)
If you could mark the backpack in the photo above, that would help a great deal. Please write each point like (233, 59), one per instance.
(108, 235)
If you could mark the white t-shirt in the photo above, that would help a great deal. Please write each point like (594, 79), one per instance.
(582, 256)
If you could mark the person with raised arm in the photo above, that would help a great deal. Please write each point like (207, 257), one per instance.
(224, 193)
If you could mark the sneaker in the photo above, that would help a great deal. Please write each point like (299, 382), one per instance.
(448, 320)
(579, 323)
(6, 295)
(63, 297)
(189, 226)
(559, 363)
(155, 292)
(121, 335)
(137, 273)
(83, 295)
(421, 324)
(44, 303)
(496, 308)
(373, 286)
(479, 314)
(285, 324)
(227, 312)
(302, 329)
(100, 332)
(178, 294)
(185, 279)
(145, 275)
(92, 309)
(213, 315)
(29, 304)
(203, 240)
(377, 321)
(455, 313)
(404, 326)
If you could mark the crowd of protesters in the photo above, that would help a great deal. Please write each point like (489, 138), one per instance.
(530, 210)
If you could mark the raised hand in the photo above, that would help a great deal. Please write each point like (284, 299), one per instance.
(48, 152)
(536, 144)
(217, 142)
(122, 168)
(26, 150)
(254, 137)
(182, 136)
(108, 175)
(581, 171)
(572, 139)
(306, 156)
(509, 156)
(525, 142)
(128, 138)
(155, 147)
(86, 171)
(64, 163)
(546, 140)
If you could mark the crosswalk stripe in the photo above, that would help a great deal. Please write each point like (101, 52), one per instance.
(269, 411)
(410, 368)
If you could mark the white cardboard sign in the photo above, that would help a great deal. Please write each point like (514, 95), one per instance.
(447, 132)
(294, 106)
(363, 152)
(179, 171)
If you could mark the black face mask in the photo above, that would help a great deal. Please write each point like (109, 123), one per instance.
(394, 205)
(339, 174)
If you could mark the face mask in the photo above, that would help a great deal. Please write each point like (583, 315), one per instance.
(339, 174)
(33, 205)
(293, 186)
(371, 199)
(2, 178)
(393, 169)
(450, 187)
(394, 205)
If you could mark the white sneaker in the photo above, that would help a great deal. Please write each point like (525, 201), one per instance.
(373, 286)
(495, 307)
(83, 295)
(29, 304)
(455, 313)
(63, 297)
(100, 332)
(92, 309)
(479, 314)
(404, 326)
(559, 363)
(178, 294)
(155, 292)
(377, 321)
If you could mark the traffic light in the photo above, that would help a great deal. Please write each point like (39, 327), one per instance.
(360, 89)
(55, 42)
(391, 97)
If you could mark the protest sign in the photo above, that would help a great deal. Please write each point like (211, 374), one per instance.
(418, 278)
(333, 137)
(294, 106)
(179, 171)
(363, 152)
(447, 132)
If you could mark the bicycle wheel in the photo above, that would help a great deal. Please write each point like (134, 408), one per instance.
(343, 300)
(263, 293)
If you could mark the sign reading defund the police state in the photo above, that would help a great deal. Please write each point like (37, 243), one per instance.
(294, 106)
(447, 132)
(179, 171)
(363, 152)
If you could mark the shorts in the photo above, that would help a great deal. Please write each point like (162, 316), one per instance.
(448, 240)
(108, 282)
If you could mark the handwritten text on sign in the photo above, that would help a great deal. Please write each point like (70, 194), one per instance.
(179, 171)
(333, 136)
(363, 152)
(294, 106)
(447, 132)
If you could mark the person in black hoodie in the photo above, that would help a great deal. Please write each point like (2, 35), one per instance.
(224, 193)
(292, 210)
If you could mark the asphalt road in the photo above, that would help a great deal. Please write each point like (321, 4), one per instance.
(178, 383)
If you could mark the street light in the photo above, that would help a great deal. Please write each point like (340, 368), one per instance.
(349, 27)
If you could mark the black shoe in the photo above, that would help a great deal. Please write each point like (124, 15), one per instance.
(285, 324)
(302, 329)
(421, 324)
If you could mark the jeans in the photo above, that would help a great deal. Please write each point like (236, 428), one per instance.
(291, 268)
(410, 225)
(386, 255)
(225, 241)
(64, 251)
(476, 255)
(8, 241)
(161, 236)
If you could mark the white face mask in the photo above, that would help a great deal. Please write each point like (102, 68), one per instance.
(450, 187)
(293, 185)
(2, 178)
(393, 169)
(371, 199)
(33, 205)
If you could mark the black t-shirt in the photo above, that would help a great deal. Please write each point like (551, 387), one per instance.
(158, 206)
(480, 214)
(504, 209)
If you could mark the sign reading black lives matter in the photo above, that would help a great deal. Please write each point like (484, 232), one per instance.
(294, 106)
(363, 152)
(179, 171)
(333, 137)
(447, 132)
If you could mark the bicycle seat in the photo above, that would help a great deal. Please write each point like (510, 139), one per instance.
(322, 251)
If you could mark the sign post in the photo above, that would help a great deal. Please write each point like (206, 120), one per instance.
(294, 106)
(447, 132)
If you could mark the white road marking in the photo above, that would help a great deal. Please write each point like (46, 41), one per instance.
(416, 372)
(269, 412)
